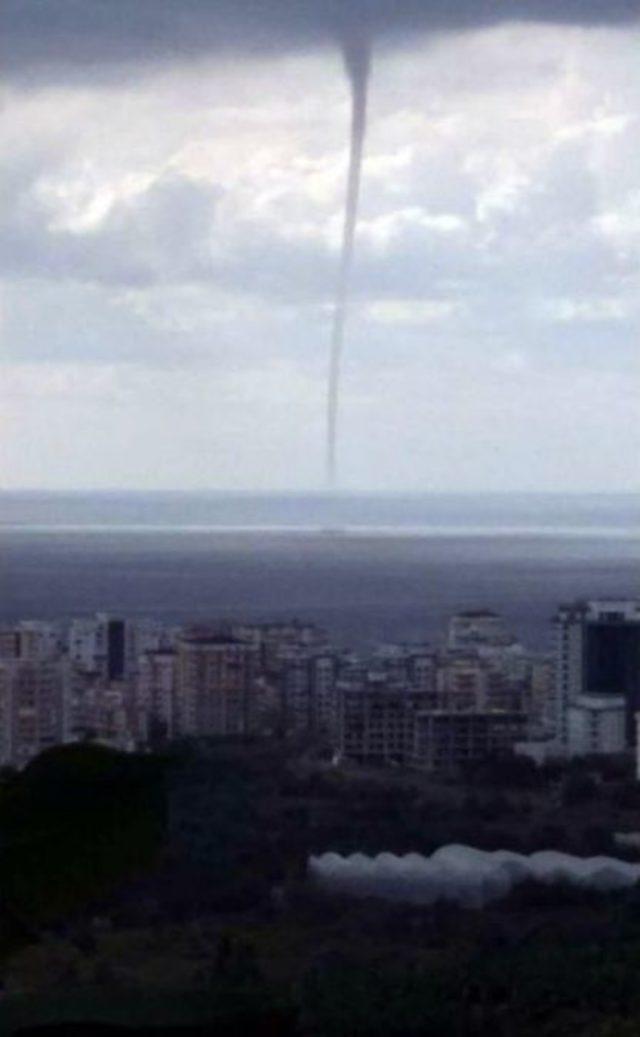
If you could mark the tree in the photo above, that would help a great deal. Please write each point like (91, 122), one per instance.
(578, 789)
(77, 822)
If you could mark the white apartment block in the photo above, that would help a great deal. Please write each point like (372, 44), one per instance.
(478, 627)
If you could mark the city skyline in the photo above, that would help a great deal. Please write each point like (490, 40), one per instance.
(477, 691)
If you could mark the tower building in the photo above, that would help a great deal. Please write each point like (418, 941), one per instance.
(597, 678)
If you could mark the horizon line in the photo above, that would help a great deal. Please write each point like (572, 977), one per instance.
(321, 491)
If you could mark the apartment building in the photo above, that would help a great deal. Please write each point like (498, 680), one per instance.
(155, 710)
(446, 740)
(32, 708)
(217, 692)
(597, 676)
(375, 720)
(478, 627)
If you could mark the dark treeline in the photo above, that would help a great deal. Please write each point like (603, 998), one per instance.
(170, 890)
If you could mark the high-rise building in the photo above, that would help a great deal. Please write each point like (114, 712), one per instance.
(96, 645)
(29, 639)
(306, 679)
(375, 720)
(478, 627)
(412, 664)
(114, 648)
(540, 691)
(155, 694)
(463, 683)
(111, 646)
(274, 640)
(82, 643)
(217, 691)
(445, 740)
(379, 722)
(597, 678)
(473, 681)
(32, 708)
(100, 711)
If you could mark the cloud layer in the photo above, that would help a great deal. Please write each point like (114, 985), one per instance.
(53, 39)
(170, 248)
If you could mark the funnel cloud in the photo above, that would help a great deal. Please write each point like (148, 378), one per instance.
(357, 59)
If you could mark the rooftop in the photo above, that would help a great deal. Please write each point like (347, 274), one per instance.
(477, 614)
(214, 639)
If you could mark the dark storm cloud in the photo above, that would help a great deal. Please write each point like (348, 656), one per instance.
(62, 39)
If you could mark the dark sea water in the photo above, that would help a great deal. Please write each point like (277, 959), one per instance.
(368, 568)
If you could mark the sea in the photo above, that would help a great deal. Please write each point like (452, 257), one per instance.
(370, 568)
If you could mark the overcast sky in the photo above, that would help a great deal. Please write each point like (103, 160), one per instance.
(171, 226)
